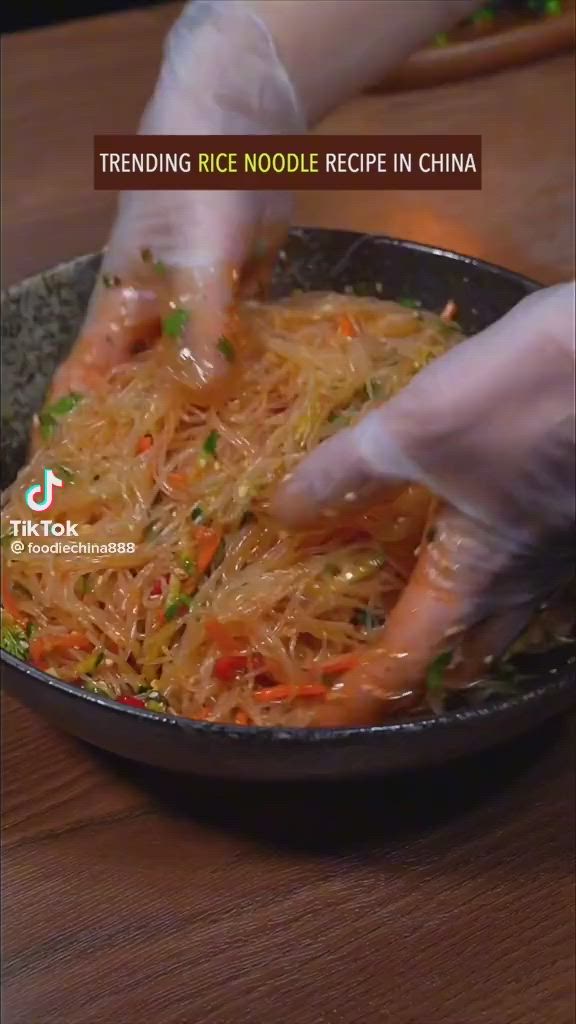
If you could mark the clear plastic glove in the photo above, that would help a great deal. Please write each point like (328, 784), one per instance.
(488, 428)
(221, 74)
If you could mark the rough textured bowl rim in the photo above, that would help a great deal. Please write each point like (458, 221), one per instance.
(304, 734)
(355, 236)
(299, 734)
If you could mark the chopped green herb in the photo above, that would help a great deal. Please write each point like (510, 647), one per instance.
(92, 663)
(111, 281)
(211, 444)
(174, 324)
(64, 472)
(197, 514)
(177, 605)
(176, 601)
(160, 268)
(5, 538)
(155, 705)
(98, 688)
(51, 414)
(226, 348)
(145, 691)
(435, 674)
(553, 7)
(188, 564)
(410, 303)
(441, 39)
(13, 640)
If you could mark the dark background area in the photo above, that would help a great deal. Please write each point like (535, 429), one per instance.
(21, 16)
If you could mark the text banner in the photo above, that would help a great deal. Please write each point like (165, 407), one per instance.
(287, 162)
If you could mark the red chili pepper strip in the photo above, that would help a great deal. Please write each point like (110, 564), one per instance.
(157, 588)
(231, 666)
(132, 702)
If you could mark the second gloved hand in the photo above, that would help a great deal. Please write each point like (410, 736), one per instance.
(489, 429)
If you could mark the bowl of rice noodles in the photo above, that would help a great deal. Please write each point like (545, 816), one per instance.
(178, 623)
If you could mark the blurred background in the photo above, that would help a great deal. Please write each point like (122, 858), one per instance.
(16, 17)
(71, 70)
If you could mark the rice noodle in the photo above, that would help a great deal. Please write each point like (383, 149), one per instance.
(289, 602)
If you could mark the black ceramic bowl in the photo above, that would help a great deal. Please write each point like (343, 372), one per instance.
(40, 320)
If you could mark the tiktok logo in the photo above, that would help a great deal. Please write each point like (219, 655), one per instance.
(39, 497)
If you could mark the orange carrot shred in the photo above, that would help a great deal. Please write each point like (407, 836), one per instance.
(341, 663)
(144, 444)
(311, 690)
(241, 718)
(42, 646)
(347, 326)
(288, 691)
(208, 543)
(177, 479)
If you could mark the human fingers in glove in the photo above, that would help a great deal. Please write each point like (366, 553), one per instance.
(489, 429)
(230, 67)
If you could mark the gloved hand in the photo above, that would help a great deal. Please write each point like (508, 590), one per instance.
(221, 75)
(488, 428)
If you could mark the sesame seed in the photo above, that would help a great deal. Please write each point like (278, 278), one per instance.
(351, 496)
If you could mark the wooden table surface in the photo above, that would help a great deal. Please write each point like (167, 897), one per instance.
(129, 895)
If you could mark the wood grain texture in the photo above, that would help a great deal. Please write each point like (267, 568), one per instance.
(131, 896)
